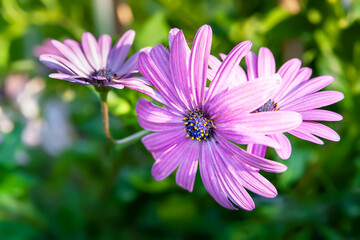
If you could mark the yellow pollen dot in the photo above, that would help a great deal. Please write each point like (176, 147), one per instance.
(191, 124)
(207, 134)
(185, 123)
(192, 138)
(187, 135)
(195, 128)
(204, 138)
(199, 140)
(197, 121)
(184, 118)
(201, 130)
(190, 117)
(202, 134)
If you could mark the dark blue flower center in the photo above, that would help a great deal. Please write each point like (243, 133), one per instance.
(268, 107)
(107, 74)
(198, 125)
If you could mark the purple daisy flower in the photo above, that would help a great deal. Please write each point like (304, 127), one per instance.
(95, 62)
(197, 124)
(297, 93)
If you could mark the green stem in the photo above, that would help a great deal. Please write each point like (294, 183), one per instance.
(103, 92)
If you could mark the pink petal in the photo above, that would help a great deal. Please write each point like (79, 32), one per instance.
(61, 64)
(120, 50)
(179, 56)
(288, 71)
(269, 122)
(257, 149)
(228, 178)
(69, 78)
(76, 48)
(130, 65)
(245, 98)
(315, 100)
(307, 88)
(302, 75)
(239, 75)
(71, 56)
(47, 48)
(254, 161)
(167, 160)
(224, 74)
(172, 35)
(155, 118)
(104, 43)
(148, 68)
(284, 151)
(199, 56)
(251, 61)
(320, 115)
(266, 63)
(137, 84)
(321, 130)
(210, 178)
(304, 134)
(186, 172)
(159, 141)
(91, 50)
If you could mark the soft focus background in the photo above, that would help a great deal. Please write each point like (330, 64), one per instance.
(61, 179)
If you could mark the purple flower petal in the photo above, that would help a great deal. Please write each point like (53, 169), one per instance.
(172, 34)
(269, 122)
(245, 98)
(168, 160)
(321, 130)
(252, 160)
(288, 72)
(307, 88)
(228, 178)
(148, 68)
(61, 64)
(69, 78)
(243, 136)
(199, 56)
(266, 63)
(303, 75)
(131, 64)
(240, 74)
(320, 115)
(285, 151)
(91, 49)
(163, 140)
(186, 172)
(251, 61)
(304, 134)
(223, 75)
(76, 48)
(315, 100)
(72, 57)
(120, 50)
(156, 118)
(257, 149)
(104, 43)
(210, 178)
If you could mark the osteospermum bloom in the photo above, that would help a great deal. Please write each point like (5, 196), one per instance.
(297, 93)
(94, 62)
(196, 124)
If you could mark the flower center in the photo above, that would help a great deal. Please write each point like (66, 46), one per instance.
(198, 125)
(102, 77)
(268, 107)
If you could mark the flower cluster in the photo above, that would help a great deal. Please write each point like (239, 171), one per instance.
(206, 113)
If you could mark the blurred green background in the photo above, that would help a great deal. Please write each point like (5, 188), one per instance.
(61, 179)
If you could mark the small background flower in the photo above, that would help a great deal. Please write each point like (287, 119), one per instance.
(65, 197)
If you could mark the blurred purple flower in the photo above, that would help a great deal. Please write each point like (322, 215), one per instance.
(94, 61)
(211, 117)
(297, 93)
